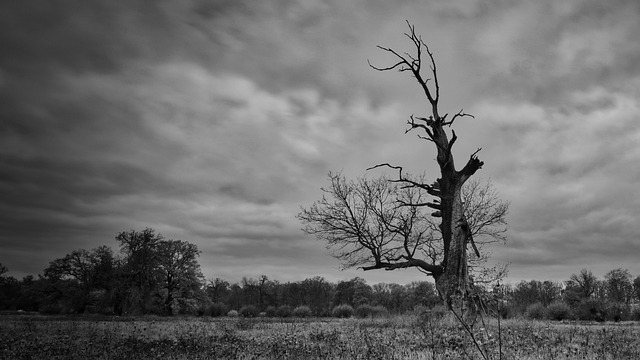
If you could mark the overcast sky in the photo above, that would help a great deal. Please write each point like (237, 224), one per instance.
(214, 121)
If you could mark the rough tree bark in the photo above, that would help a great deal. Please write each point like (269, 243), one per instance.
(452, 274)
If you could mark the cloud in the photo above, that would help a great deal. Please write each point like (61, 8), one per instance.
(161, 142)
(568, 176)
(543, 51)
(213, 121)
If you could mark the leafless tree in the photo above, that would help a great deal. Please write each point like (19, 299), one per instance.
(352, 231)
(452, 274)
(363, 224)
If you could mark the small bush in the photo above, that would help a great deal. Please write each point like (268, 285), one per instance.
(419, 309)
(425, 315)
(617, 312)
(342, 311)
(558, 311)
(504, 311)
(201, 310)
(439, 311)
(380, 311)
(249, 311)
(302, 311)
(364, 311)
(232, 313)
(591, 309)
(535, 312)
(217, 309)
(270, 311)
(635, 314)
(284, 311)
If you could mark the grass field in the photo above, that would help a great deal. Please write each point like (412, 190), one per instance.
(398, 337)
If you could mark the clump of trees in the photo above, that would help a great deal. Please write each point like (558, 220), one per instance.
(151, 274)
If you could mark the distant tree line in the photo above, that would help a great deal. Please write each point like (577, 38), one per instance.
(582, 297)
(154, 275)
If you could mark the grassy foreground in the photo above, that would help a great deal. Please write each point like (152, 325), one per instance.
(399, 337)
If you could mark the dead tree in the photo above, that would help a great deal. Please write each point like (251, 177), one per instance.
(451, 274)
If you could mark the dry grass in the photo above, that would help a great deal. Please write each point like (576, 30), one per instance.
(400, 337)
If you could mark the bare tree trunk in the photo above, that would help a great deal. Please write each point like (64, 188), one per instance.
(455, 276)
(452, 278)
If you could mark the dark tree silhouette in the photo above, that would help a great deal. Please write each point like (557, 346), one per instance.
(179, 269)
(619, 286)
(141, 267)
(581, 286)
(452, 274)
(447, 261)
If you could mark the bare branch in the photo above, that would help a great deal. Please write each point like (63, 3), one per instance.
(454, 137)
(399, 168)
(431, 269)
(459, 114)
(434, 71)
(473, 164)
(424, 127)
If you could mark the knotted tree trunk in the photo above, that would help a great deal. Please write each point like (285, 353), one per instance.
(452, 274)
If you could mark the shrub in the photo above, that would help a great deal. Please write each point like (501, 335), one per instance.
(185, 306)
(201, 310)
(270, 311)
(591, 309)
(504, 311)
(635, 314)
(558, 311)
(379, 311)
(284, 311)
(217, 309)
(418, 310)
(249, 311)
(617, 312)
(439, 311)
(232, 313)
(302, 311)
(535, 311)
(364, 311)
(342, 311)
(426, 316)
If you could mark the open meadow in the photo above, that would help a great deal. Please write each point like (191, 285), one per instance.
(395, 337)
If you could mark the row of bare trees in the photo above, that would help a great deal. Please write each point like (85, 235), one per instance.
(584, 296)
(320, 295)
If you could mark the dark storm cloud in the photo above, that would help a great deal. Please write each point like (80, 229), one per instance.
(576, 46)
(42, 41)
(67, 145)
